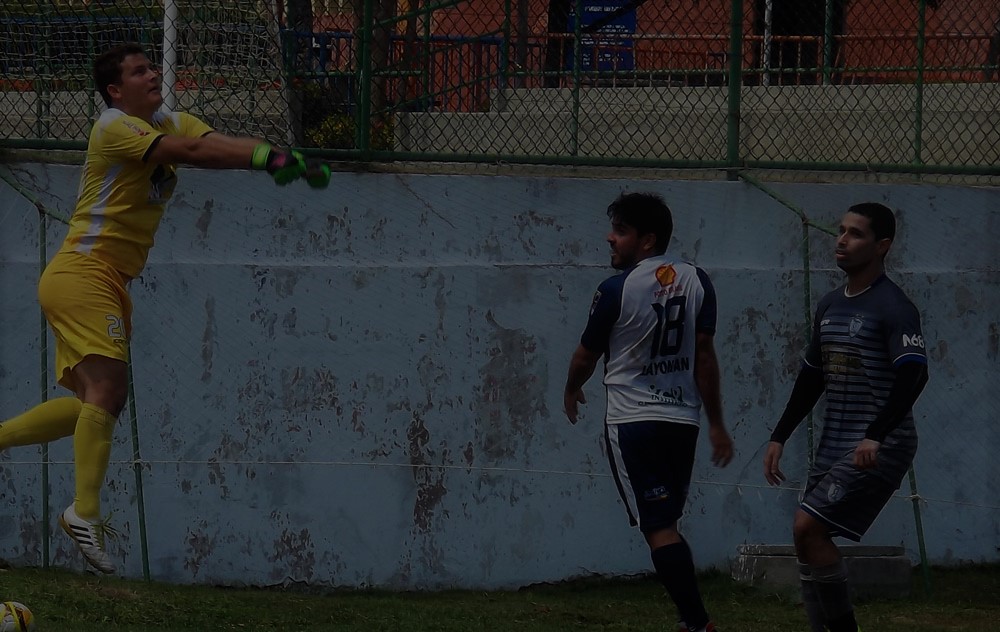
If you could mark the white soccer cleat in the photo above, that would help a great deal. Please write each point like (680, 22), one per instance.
(89, 537)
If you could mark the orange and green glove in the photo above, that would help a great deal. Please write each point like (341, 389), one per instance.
(284, 166)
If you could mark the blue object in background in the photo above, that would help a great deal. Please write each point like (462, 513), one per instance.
(610, 46)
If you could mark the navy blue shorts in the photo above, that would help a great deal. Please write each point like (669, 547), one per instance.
(651, 462)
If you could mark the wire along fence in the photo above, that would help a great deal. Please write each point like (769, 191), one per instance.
(893, 85)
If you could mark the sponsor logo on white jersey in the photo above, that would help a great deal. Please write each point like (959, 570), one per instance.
(658, 397)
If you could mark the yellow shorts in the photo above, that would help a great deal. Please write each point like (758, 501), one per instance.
(88, 308)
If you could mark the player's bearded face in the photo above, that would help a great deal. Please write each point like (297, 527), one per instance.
(625, 247)
(139, 90)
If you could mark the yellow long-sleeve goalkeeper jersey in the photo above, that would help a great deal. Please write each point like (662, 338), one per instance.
(122, 196)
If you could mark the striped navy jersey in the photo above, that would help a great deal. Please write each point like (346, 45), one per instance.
(858, 341)
(644, 321)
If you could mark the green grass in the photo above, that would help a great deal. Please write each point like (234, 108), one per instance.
(962, 599)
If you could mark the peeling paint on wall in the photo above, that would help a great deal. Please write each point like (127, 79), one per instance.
(362, 386)
(512, 393)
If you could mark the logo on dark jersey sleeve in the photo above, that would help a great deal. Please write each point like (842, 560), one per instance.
(593, 304)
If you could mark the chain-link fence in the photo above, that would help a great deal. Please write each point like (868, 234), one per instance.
(220, 60)
(896, 85)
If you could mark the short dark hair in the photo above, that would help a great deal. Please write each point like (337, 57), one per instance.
(881, 217)
(647, 213)
(108, 67)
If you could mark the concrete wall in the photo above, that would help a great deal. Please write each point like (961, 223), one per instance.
(362, 386)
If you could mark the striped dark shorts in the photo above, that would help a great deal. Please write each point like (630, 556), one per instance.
(847, 499)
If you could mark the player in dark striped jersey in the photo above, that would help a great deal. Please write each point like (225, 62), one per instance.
(654, 325)
(867, 354)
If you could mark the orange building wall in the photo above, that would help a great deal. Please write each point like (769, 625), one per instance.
(693, 34)
(879, 32)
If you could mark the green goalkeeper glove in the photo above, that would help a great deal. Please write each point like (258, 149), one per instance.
(284, 166)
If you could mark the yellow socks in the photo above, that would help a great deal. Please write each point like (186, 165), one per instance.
(91, 428)
(91, 451)
(46, 422)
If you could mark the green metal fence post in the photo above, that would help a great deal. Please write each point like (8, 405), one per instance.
(137, 470)
(362, 125)
(43, 81)
(577, 59)
(521, 47)
(807, 311)
(44, 381)
(918, 160)
(827, 42)
(92, 53)
(918, 122)
(735, 83)
(428, 99)
(919, 523)
(505, 56)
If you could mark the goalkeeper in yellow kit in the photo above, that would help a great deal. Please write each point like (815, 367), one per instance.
(128, 176)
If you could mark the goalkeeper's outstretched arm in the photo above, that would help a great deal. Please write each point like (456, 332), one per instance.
(211, 151)
(218, 151)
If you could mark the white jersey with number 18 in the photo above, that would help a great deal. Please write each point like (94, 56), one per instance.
(645, 320)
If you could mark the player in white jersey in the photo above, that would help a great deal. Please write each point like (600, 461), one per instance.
(654, 325)
(867, 353)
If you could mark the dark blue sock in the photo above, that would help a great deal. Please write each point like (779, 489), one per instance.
(675, 569)
(810, 600)
(834, 594)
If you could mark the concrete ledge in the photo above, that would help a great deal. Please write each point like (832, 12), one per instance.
(873, 571)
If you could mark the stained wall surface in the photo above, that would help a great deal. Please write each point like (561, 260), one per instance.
(363, 386)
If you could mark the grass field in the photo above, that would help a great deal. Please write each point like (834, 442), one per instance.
(961, 599)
